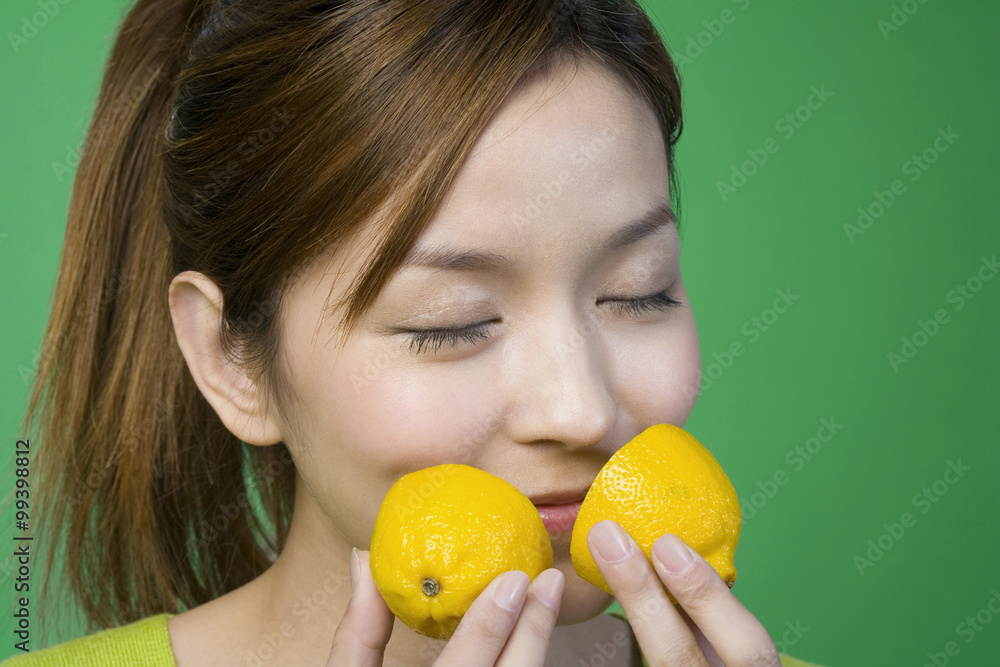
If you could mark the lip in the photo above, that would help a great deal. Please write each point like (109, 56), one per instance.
(559, 509)
(565, 497)
(559, 518)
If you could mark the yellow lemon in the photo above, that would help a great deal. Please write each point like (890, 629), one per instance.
(443, 534)
(662, 481)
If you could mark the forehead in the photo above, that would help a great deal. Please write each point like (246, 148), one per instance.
(564, 159)
(576, 144)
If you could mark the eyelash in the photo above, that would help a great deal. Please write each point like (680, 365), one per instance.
(437, 337)
(424, 339)
(644, 304)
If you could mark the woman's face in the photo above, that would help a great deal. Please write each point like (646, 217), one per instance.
(532, 335)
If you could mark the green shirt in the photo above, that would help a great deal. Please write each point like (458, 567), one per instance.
(144, 642)
(147, 643)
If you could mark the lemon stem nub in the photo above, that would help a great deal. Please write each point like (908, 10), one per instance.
(430, 587)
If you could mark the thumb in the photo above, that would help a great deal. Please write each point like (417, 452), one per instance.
(365, 628)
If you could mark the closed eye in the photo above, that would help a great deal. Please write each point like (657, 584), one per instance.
(660, 301)
(433, 339)
(422, 340)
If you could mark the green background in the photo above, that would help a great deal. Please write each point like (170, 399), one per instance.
(855, 298)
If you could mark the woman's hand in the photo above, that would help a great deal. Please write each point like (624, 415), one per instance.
(712, 627)
(508, 625)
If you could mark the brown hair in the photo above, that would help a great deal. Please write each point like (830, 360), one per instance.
(240, 139)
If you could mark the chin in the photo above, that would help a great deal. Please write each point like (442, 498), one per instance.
(581, 600)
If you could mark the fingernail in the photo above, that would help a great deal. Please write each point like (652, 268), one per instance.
(548, 587)
(509, 593)
(610, 540)
(355, 568)
(675, 556)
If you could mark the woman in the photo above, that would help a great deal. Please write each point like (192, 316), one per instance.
(316, 245)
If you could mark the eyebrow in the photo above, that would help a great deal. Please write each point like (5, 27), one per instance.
(450, 259)
(645, 225)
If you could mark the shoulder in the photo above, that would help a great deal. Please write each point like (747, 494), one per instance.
(786, 660)
(144, 642)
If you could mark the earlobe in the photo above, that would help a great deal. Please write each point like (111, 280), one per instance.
(196, 311)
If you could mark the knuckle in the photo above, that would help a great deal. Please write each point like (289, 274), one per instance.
(494, 634)
(354, 637)
(630, 581)
(537, 625)
(685, 654)
(493, 627)
(648, 608)
(760, 655)
(700, 584)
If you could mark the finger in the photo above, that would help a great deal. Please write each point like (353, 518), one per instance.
(528, 644)
(367, 624)
(483, 631)
(706, 647)
(735, 634)
(662, 634)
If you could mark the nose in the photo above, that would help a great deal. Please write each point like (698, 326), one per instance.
(561, 389)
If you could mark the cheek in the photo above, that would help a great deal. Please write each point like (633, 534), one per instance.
(407, 419)
(362, 432)
(660, 374)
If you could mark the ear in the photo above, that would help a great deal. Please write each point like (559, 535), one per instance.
(196, 310)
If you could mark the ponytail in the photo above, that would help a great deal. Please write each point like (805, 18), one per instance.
(122, 428)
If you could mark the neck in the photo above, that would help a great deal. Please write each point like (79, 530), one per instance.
(302, 597)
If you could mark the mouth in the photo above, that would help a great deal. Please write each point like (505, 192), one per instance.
(559, 509)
